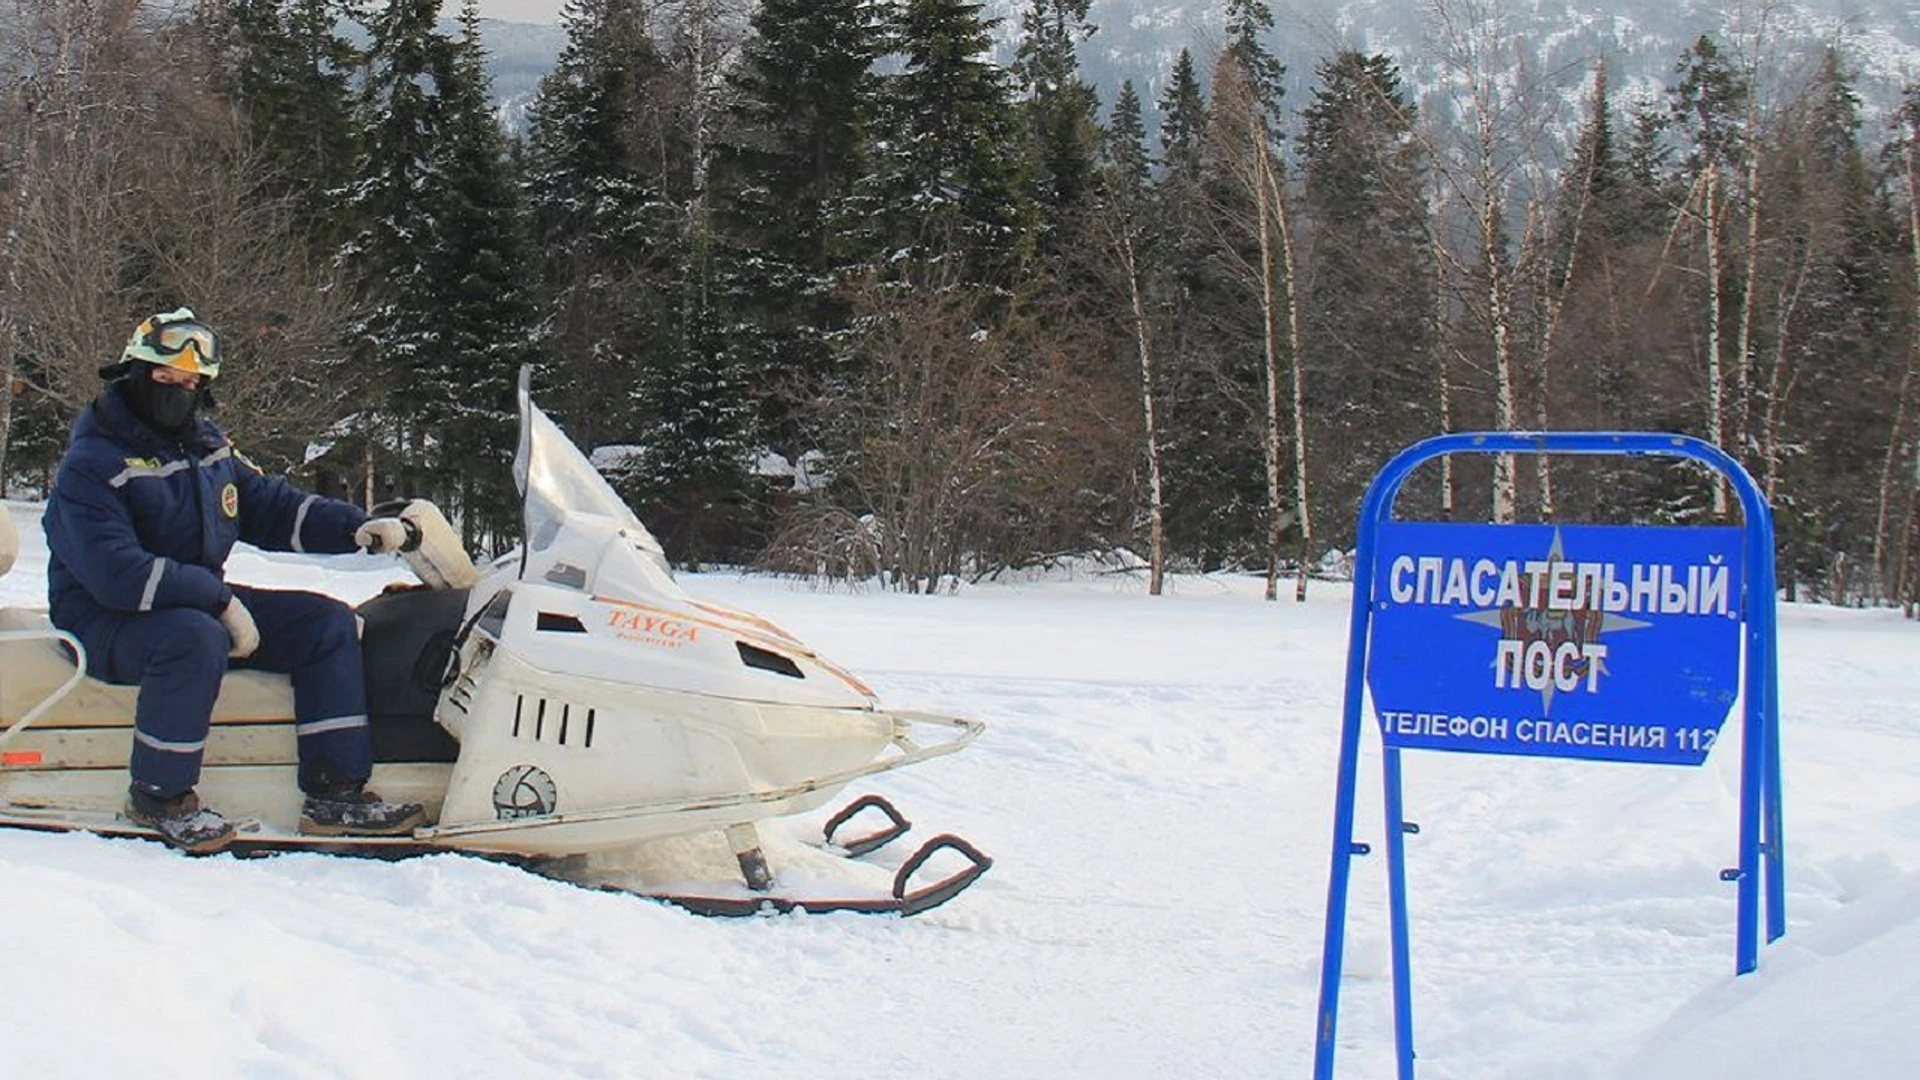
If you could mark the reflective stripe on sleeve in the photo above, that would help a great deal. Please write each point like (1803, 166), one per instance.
(221, 454)
(133, 472)
(338, 723)
(153, 582)
(300, 519)
(145, 739)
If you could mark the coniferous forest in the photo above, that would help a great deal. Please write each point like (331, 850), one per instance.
(985, 314)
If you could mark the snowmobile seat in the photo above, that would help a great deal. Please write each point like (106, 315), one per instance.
(34, 669)
(401, 712)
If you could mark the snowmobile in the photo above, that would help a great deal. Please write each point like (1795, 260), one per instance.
(569, 708)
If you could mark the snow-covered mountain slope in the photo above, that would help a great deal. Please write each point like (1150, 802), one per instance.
(1547, 46)
(1138, 39)
(1545, 49)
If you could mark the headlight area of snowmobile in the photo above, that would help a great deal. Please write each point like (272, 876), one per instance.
(611, 700)
(680, 647)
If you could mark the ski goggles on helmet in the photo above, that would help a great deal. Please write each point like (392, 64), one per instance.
(177, 339)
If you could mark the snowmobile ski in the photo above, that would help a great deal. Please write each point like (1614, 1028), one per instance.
(252, 841)
(896, 827)
(904, 900)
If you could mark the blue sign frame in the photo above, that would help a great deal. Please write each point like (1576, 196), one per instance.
(1398, 607)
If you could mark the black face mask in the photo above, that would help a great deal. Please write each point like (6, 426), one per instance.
(167, 409)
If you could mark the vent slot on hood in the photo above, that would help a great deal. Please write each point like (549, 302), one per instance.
(767, 660)
(533, 717)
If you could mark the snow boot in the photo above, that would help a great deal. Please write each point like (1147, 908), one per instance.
(181, 821)
(352, 810)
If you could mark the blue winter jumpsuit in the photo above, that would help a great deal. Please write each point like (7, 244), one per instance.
(138, 530)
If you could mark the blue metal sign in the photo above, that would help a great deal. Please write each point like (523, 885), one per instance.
(1579, 641)
(1573, 641)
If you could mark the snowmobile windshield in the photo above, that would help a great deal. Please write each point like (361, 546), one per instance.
(559, 484)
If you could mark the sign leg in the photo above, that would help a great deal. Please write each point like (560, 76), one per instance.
(1396, 829)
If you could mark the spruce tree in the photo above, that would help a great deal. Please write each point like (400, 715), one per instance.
(489, 317)
(1647, 156)
(1212, 466)
(698, 427)
(1710, 106)
(1249, 188)
(1592, 183)
(397, 170)
(1369, 292)
(599, 160)
(292, 74)
(1133, 244)
(1060, 111)
(650, 352)
(1611, 215)
(1183, 117)
(1126, 169)
(1247, 22)
(444, 267)
(695, 395)
(784, 187)
(1599, 210)
(1825, 382)
(948, 184)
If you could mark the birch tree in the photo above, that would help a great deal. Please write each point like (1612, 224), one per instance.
(1479, 150)
(1710, 102)
(1899, 484)
(1125, 226)
(1245, 127)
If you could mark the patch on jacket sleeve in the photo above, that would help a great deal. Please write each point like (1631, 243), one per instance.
(230, 500)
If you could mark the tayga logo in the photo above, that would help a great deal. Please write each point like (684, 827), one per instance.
(651, 628)
(524, 791)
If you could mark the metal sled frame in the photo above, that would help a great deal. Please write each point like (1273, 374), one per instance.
(59, 693)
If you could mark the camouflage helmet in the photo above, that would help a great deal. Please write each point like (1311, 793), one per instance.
(175, 339)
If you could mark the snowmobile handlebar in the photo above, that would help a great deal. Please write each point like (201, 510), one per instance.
(397, 510)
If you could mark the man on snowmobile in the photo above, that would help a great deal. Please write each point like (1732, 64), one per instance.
(145, 507)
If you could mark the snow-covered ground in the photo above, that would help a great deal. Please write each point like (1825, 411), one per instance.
(1156, 788)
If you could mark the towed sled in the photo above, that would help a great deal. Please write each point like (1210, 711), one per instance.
(569, 708)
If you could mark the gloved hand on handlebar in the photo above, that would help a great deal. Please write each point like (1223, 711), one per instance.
(383, 535)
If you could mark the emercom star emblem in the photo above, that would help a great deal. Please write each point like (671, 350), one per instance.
(1533, 620)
